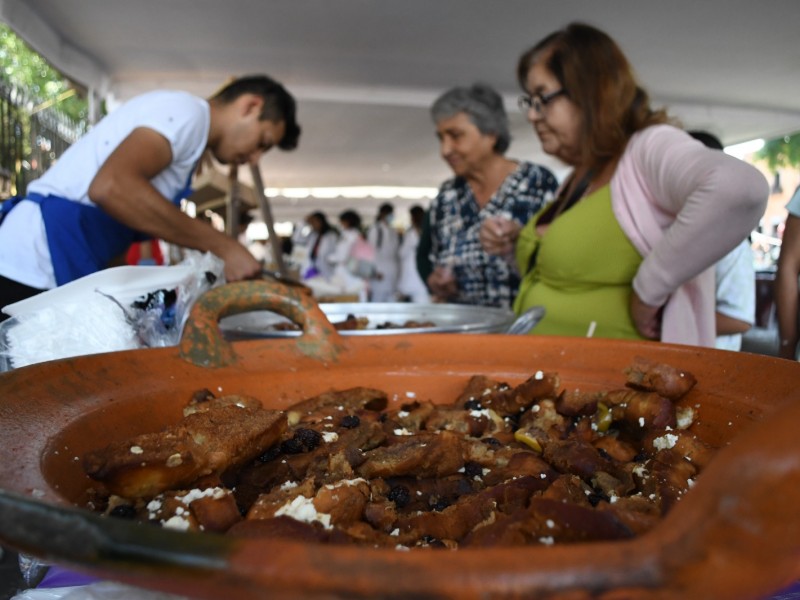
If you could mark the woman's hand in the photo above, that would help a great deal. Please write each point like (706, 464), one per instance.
(646, 318)
(498, 235)
(442, 283)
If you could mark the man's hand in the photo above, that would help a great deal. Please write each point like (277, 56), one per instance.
(239, 263)
(646, 318)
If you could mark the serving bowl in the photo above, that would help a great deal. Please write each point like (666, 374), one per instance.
(736, 534)
(383, 318)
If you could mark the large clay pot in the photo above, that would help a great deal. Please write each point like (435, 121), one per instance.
(736, 534)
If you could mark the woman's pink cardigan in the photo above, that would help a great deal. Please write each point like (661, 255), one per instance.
(684, 207)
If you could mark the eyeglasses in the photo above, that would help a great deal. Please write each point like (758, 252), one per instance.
(538, 101)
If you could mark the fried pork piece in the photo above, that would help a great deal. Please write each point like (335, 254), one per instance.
(339, 504)
(422, 455)
(227, 433)
(468, 512)
(548, 521)
(662, 379)
(665, 478)
(336, 404)
(210, 509)
(643, 410)
(483, 392)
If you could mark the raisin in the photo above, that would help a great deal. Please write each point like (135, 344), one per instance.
(432, 541)
(440, 505)
(604, 454)
(490, 441)
(350, 422)
(292, 446)
(309, 438)
(400, 495)
(473, 469)
(123, 511)
(270, 454)
(595, 499)
(473, 404)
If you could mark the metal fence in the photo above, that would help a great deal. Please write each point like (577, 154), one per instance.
(31, 138)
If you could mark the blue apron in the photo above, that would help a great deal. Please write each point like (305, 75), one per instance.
(82, 238)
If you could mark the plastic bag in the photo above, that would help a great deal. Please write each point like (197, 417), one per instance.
(159, 316)
(117, 309)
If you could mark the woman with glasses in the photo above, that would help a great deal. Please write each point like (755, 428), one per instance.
(625, 249)
(473, 132)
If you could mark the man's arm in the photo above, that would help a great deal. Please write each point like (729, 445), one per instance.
(786, 288)
(122, 188)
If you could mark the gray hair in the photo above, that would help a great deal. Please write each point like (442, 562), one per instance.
(484, 107)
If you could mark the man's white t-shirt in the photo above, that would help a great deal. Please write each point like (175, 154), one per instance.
(183, 119)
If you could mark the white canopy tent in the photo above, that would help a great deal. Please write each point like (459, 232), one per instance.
(365, 73)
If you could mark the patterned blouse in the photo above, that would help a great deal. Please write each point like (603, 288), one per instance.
(455, 220)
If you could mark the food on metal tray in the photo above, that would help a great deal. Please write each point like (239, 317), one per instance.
(499, 465)
(354, 323)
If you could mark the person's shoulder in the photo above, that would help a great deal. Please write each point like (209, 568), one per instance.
(538, 173)
(167, 101)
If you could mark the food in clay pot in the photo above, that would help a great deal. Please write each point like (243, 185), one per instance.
(498, 465)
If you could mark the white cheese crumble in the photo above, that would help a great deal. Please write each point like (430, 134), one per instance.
(538, 375)
(175, 460)
(641, 421)
(411, 395)
(547, 541)
(403, 414)
(302, 509)
(214, 492)
(402, 431)
(477, 414)
(550, 523)
(136, 450)
(176, 522)
(665, 441)
(396, 532)
(330, 436)
(288, 485)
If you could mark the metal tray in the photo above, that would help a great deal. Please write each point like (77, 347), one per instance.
(448, 318)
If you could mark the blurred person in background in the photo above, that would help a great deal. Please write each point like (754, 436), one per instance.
(353, 258)
(473, 131)
(786, 282)
(386, 242)
(410, 286)
(321, 243)
(735, 277)
(123, 182)
(625, 250)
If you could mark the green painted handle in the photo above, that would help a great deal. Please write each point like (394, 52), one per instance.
(203, 344)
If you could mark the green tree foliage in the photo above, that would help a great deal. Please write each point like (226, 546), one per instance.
(781, 152)
(26, 69)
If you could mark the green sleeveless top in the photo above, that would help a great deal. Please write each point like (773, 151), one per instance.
(583, 271)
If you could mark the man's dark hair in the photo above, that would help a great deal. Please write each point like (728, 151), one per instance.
(279, 104)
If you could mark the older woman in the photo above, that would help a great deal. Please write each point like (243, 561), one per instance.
(473, 131)
(625, 250)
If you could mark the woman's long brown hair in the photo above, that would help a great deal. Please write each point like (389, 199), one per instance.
(598, 78)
